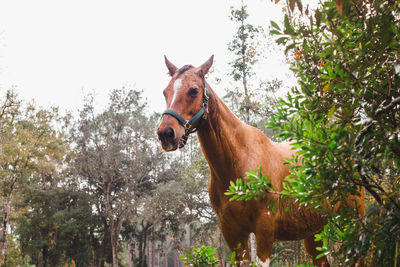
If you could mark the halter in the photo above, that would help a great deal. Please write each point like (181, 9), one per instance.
(187, 124)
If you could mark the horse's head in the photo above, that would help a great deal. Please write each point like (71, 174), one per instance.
(186, 97)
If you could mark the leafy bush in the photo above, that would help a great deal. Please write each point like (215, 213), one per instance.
(253, 186)
(200, 257)
(344, 118)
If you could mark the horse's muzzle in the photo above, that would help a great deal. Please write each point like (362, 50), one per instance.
(168, 139)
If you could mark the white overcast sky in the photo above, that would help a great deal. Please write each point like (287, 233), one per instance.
(57, 51)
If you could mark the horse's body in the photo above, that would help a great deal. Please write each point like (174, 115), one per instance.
(232, 148)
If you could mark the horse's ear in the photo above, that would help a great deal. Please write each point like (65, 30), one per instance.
(203, 69)
(171, 67)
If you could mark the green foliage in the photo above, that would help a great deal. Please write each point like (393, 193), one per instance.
(206, 256)
(253, 186)
(343, 118)
(116, 161)
(34, 151)
(200, 257)
(27, 262)
(14, 255)
(55, 222)
(305, 265)
(140, 262)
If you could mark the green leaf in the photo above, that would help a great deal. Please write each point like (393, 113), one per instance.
(290, 47)
(340, 233)
(282, 40)
(275, 25)
(322, 255)
(288, 28)
(275, 32)
(331, 111)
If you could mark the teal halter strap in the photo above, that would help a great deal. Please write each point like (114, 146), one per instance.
(187, 124)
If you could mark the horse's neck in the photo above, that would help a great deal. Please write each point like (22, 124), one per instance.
(221, 137)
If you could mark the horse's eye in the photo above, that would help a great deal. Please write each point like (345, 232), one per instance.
(193, 91)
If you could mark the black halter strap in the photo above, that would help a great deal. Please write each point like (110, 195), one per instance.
(187, 124)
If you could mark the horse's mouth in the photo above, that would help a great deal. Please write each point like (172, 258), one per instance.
(169, 147)
(180, 143)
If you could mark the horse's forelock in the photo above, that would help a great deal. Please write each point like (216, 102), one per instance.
(184, 68)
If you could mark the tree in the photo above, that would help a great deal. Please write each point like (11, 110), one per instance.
(248, 101)
(116, 159)
(9, 111)
(30, 147)
(55, 226)
(178, 204)
(344, 117)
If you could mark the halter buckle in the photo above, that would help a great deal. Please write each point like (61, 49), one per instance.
(187, 125)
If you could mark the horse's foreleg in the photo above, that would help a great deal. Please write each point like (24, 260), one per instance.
(237, 241)
(310, 245)
(265, 239)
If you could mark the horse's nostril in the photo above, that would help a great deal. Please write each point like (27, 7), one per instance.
(160, 135)
(169, 134)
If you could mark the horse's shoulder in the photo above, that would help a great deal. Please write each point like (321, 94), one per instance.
(284, 148)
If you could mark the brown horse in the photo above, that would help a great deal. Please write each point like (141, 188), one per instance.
(232, 148)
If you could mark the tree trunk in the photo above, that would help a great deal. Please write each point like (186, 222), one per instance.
(44, 255)
(175, 258)
(140, 246)
(182, 237)
(130, 250)
(190, 235)
(6, 223)
(165, 245)
(152, 253)
(182, 242)
(113, 235)
(148, 251)
(143, 248)
(135, 250)
(102, 250)
(114, 244)
(222, 249)
(244, 70)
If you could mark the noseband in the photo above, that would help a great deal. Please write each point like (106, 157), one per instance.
(187, 124)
